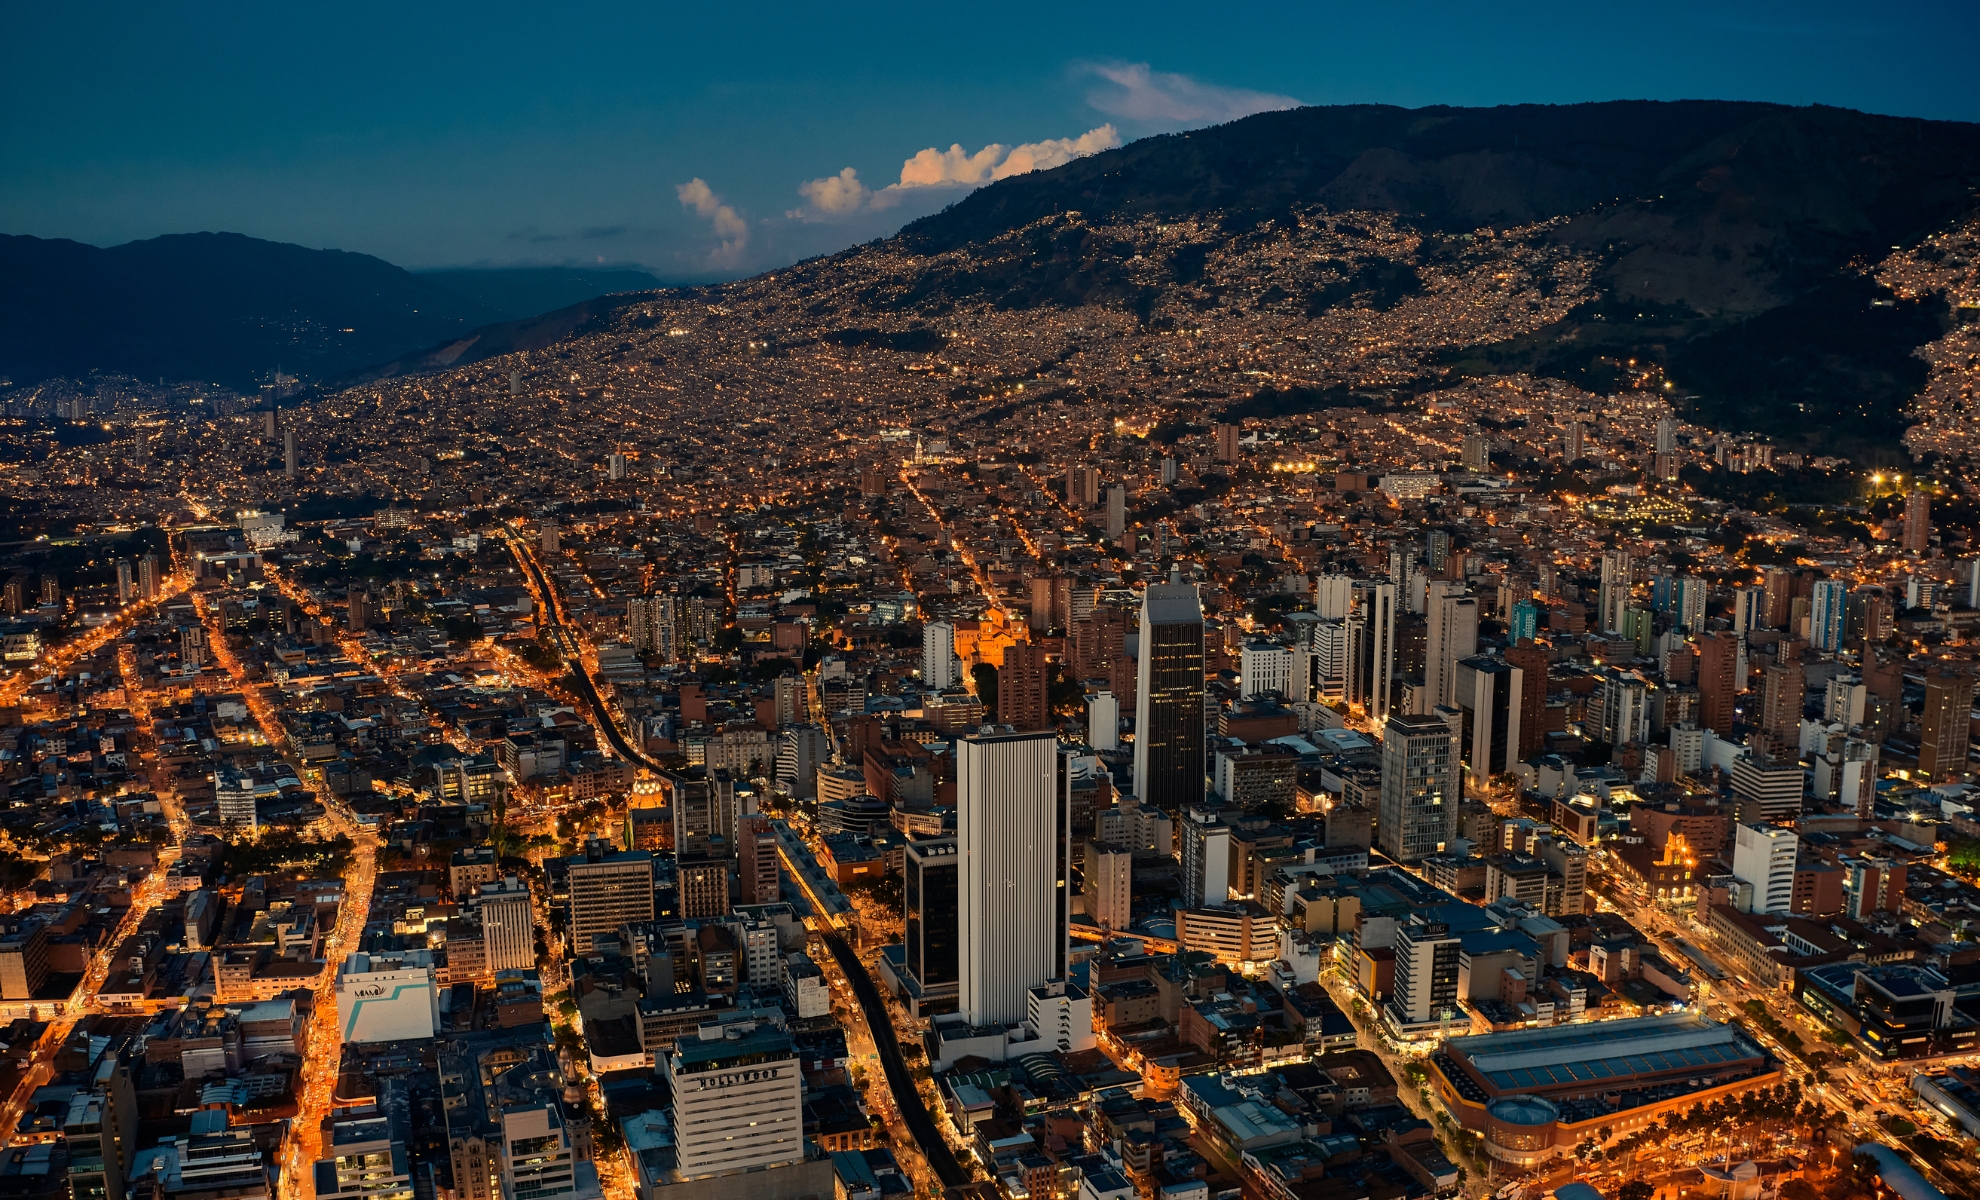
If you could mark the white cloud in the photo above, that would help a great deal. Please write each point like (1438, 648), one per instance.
(1056, 152)
(832, 196)
(731, 231)
(934, 168)
(1136, 93)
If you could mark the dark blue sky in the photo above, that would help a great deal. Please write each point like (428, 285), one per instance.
(496, 133)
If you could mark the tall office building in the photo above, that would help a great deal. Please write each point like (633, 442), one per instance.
(738, 1101)
(1613, 597)
(1116, 512)
(1421, 786)
(1784, 691)
(291, 462)
(268, 424)
(1531, 662)
(1452, 635)
(1206, 858)
(1168, 702)
(1917, 523)
(1488, 693)
(1766, 789)
(1372, 641)
(1945, 728)
(1718, 655)
(939, 668)
(1011, 836)
(930, 906)
(1024, 687)
(508, 924)
(801, 750)
(1524, 625)
(608, 889)
(151, 577)
(1763, 857)
(1828, 614)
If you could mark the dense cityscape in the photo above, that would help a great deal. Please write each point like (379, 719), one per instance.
(770, 745)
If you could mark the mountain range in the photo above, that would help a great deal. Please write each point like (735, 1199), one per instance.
(227, 308)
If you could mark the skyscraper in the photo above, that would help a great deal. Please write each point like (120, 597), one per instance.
(938, 655)
(1011, 834)
(756, 860)
(1168, 703)
(1421, 758)
(1945, 727)
(1116, 512)
(1226, 437)
(1667, 434)
(1828, 612)
(1525, 623)
(1688, 596)
(1487, 692)
(1372, 642)
(150, 578)
(290, 461)
(930, 908)
(1531, 663)
(1477, 453)
(126, 582)
(1333, 596)
(1206, 858)
(1452, 635)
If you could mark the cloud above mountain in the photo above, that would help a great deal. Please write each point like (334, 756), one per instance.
(731, 231)
(1135, 92)
(835, 196)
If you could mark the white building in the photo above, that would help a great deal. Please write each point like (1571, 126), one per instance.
(1267, 667)
(1103, 721)
(1206, 858)
(508, 924)
(388, 997)
(1011, 847)
(1109, 885)
(1060, 1014)
(805, 988)
(939, 668)
(738, 1100)
(235, 793)
(1763, 856)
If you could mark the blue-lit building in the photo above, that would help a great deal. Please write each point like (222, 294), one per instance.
(1827, 605)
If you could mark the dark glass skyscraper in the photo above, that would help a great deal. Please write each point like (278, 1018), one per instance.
(1168, 707)
(933, 921)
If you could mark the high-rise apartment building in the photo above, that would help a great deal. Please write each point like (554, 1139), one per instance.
(704, 805)
(1531, 662)
(655, 626)
(1476, 453)
(126, 581)
(1488, 693)
(1109, 885)
(1614, 595)
(758, 875)
(151, 579)
(1226, 436)
(1945, 729)
(1917, 522)
(1718, 657)
(1688, 599)
(608, 889)
(291, 460)
(1421, 786)
(1168, 703)
(1828, 614)
(1116, 523)
(1012, 828)
(1024, 687)
(939, 668)
(1082, 487)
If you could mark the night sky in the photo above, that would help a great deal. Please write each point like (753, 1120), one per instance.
(707, 143)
